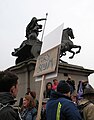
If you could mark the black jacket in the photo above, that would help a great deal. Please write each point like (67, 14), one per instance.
(7, 112)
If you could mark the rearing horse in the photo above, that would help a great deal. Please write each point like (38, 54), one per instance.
(67, 44)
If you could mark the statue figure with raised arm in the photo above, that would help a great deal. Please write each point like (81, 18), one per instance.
(31, 47)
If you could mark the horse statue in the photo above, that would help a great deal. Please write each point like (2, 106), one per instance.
(67, 44)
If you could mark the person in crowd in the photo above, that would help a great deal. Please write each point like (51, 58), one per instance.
(21, 99)
(87, 103)
(84, 83)
(55, 83)
(60, 105)
(71, 83)
(28, 110)
(33, 94)
(74, 97)
(80, 90)
(20, 102)
(81, 87)
(43, 110)
(28, 91)
(8, 93)
(47, 92)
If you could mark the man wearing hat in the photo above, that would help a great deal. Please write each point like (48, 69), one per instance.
(88, 103)
(60, 106)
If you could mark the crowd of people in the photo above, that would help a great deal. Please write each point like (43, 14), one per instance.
(68, 103)
(62, 101)
(8, 92)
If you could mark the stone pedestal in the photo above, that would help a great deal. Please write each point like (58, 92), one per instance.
(25, 71)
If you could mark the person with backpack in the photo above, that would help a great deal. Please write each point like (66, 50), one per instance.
(28, 110)
(60, 106)
(86, 105)
(8, 93)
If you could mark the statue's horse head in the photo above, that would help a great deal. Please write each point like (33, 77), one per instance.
(68, 32)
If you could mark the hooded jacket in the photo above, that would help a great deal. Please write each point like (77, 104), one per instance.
(60, 107)
(88, 109)
(7, 112)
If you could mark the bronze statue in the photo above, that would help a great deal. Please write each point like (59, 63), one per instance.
(31, 47)
(33, 28)
(67, 44)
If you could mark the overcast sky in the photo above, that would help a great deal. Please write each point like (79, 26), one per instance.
(77, 14)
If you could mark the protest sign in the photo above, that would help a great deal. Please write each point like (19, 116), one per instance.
(47, 62)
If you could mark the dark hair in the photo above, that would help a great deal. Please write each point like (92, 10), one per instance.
(48, 84)
(33, 94)
(55, 80)
(63, 87)
(7, 80)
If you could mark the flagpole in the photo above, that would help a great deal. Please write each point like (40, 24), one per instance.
(44, 27)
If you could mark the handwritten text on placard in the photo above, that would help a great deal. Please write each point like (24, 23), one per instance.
(46, 62)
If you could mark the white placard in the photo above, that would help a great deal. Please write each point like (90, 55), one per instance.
(52, 39)
(48, 76)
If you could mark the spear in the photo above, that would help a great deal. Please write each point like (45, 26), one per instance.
(44, 26)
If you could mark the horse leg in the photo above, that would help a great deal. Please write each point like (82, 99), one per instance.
(72, 55)
(79, 49)
(76, 46)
